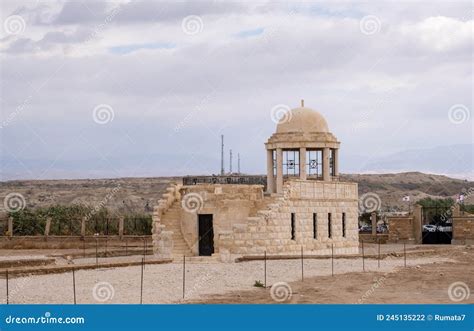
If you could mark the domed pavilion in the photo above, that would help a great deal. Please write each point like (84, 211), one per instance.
(301, 205)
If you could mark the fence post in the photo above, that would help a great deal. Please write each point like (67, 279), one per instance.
(106, 239)
(332, 259)
(184, 274)
(6, 278)
(302, 265)
(121, 221)
(84, 247)
(83, 227)
(10, 226)
(144, 248)
(97, 252)
(126, 246)
(141, 282)
(363, 257)
(74, 284)
(47, 226)
(405, 254)
(265, 268)
(379, 256)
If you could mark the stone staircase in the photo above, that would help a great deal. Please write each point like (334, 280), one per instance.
(171, 221)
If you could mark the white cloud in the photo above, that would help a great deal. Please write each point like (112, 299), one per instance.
(156, 77)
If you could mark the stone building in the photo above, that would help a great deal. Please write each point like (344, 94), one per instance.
(300, 205)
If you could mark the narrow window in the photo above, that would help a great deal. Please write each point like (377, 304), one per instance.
(292, 226)
(329, 225)
(344, 225)
(315, 225)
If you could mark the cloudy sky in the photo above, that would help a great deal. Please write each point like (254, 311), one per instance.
(129, 88)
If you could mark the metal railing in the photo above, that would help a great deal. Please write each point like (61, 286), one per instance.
(232, 179)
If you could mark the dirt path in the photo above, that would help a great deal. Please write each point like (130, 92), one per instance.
(428, 283)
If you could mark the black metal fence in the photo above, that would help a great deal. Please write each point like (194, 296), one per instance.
(233, 179)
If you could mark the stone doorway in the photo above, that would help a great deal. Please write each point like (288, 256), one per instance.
(206, 235)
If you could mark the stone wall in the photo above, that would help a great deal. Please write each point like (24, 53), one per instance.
(401, 229)
(463, 227)
(270, 229)
(229, 205)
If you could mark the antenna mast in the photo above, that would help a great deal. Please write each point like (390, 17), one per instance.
(238, 163)
(222, 155)
(230, 164)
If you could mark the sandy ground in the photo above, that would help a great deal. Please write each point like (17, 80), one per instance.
(426, 280)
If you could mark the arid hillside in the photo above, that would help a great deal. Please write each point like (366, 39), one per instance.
(138, 195)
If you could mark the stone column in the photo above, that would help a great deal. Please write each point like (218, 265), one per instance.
(373, 219)
(10, 226)
(303, 163)
(279, 178)
(121, 220)
(47, 227)
(336, 161)
(83, 227)
(270, 177)
(326, 174)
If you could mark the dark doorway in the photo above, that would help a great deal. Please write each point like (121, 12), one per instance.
(206, 235)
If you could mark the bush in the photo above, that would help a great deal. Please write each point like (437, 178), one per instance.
(66, 221)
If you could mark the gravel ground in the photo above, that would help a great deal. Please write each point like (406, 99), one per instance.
(163, 283)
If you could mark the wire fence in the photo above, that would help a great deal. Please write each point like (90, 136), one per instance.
(147, 280)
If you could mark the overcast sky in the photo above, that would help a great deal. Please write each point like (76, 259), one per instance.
(128, 88)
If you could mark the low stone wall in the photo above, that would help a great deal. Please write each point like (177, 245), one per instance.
(71, 242)
(270, 230)
(463, 230)
(401, 229)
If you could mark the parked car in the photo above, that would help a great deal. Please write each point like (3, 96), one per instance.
(365, 228)
(445, 228)
(429, 228)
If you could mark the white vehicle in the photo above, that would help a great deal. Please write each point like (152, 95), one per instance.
(429, 228)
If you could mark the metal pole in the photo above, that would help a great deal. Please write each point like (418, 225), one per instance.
(106, 238)
(363, 256)
(141, 281)
(126, 246)
(144, 248)
(74, 284)
(6, 277)
(84, 247)
(302, 265)
(97, 252)
(332, 259)
(184, 274)
(379, 255)
(265, 268)
(405, 253)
